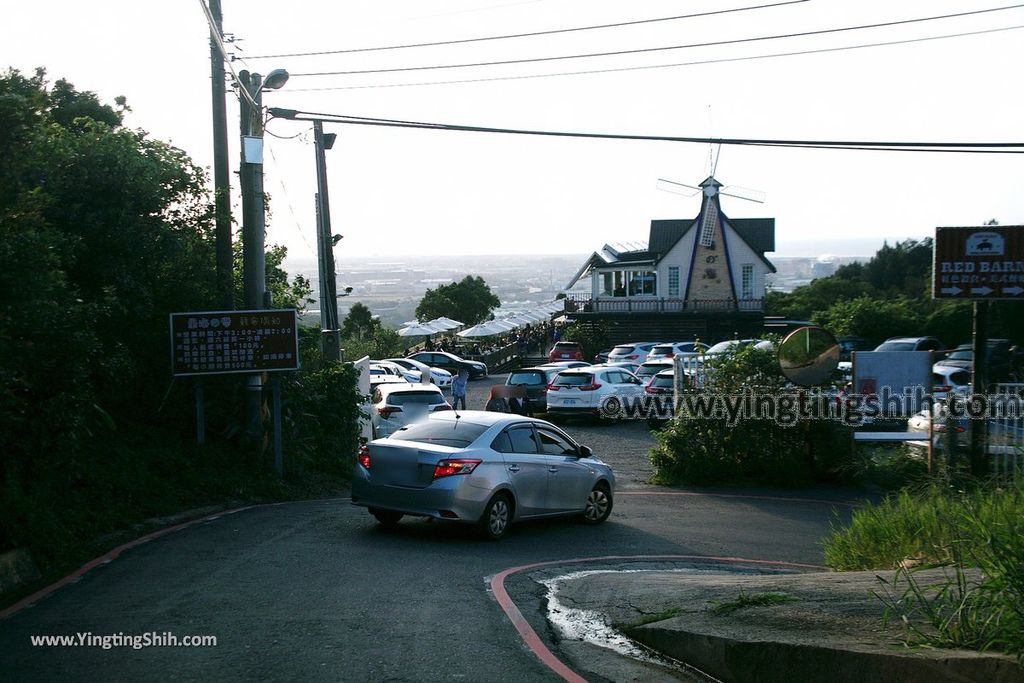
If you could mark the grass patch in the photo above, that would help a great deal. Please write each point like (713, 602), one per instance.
(981, 526)
(745, 600)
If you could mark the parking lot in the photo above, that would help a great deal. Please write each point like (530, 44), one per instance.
(623, 445)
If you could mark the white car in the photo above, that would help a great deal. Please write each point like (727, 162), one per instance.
(634, 352)
(948, 378)
(438, 376)
(411, 376)
(682, 349)
(397, 405)
(592, 391)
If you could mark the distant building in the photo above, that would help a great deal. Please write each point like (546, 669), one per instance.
(824, 266)
(701, 277)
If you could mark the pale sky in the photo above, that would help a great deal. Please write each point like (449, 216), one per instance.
(396, 191)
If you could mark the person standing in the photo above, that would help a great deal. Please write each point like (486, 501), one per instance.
(519, 403)
(459, 389)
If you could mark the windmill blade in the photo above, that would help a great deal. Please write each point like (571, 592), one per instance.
(743, 193)
(678, 188)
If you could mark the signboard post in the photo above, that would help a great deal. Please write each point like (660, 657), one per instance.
(234, 342)
(979, 264)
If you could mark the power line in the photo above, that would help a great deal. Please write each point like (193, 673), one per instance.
(972, 147)
(702, 62)
(616, 53)
(528, 35)
(219, 39)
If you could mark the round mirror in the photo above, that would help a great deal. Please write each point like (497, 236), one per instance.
(808, 356)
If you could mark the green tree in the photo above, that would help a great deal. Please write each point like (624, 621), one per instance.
(875, 319)
(470, 301)
(359, 324)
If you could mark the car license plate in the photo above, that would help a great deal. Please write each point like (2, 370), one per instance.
(565, 355)
(569, 402)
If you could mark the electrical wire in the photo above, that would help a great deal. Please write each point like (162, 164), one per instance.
(971, 147)
(219, 40)
(702, 62)
(288, 202)
(735, 41)
(527, 35)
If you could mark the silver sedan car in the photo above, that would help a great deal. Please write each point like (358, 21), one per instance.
(489, 469)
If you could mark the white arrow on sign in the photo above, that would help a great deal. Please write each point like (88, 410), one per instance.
(981, 290)
(1013, 290)
(951, 290)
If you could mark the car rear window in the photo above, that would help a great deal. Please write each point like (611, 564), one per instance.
(404, 398)
(573, 379)
(621, 350)
(531, 377)
(453, 433)
(662, 381)
(662, 350)
(961, 377)
(567, 345)
(896, 346)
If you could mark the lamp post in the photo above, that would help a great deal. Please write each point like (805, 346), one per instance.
(250, 180)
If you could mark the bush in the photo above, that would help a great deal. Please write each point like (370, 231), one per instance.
(713, 450)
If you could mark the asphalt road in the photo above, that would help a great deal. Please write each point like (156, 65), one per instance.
(316, 591)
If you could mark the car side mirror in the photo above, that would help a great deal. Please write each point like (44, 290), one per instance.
(586, 452)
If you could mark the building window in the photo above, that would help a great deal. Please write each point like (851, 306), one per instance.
(643, 282)
(606, 284)
(673, 280)
(747, 281)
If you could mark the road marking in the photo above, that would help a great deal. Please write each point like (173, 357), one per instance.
(785, 499)
(537, 646)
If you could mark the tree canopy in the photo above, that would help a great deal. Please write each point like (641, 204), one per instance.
(469, 300)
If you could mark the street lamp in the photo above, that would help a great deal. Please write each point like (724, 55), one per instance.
(250, 180)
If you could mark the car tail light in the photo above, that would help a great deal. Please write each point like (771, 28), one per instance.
(960, 430)
(944, 387)
(453, 466)
(589, 387)
(578, 355)
(386, 411)
(633, 357)
(552, 387)
(443, 406)
(364, 456)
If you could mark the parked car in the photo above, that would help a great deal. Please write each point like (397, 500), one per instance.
(670, 351)
(650, 368)
(396, 405)
(489, 469)
(911, 344)
(919, 423)
(634, 351)
(379, 375)
(947, 378)
(438, 376)
(566, 364)
(849, 344)
(396, 370)
(588, 391)
(736, 344)
(565, 350)
(627, 365)
(601, 357)
(999, 355)
(536, 381)
(661, 383)
(450, 362)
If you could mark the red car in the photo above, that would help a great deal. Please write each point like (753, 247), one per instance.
(565, 350)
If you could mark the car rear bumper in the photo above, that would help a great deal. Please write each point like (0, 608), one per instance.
(441, 500)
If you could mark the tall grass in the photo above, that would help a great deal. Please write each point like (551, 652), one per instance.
(981, 527)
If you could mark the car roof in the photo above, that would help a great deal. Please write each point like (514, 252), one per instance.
(393, 387)
(482, 417)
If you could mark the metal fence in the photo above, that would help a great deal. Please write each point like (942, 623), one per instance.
(1005, 435)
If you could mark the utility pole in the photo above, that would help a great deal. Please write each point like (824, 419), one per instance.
(979, 387)
(221, 173)
(250, 179)
(329, 342)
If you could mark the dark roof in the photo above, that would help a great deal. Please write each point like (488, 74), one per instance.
(647, 256)
(759, 233)
(665, 233)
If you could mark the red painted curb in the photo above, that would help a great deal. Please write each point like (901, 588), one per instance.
(530, 636)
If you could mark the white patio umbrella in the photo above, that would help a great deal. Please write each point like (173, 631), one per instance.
(449, 321)
(481, 330)
(442, 324)
(503, 325)
(418, 330)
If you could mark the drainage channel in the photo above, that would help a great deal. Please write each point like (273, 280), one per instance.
(590, 626)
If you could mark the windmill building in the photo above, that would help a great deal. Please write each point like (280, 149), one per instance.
(701, 277)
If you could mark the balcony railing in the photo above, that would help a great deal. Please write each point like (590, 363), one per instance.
(584, 303)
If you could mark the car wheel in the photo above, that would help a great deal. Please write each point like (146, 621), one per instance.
(497, 517)
(386, 518)
(599, 504)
